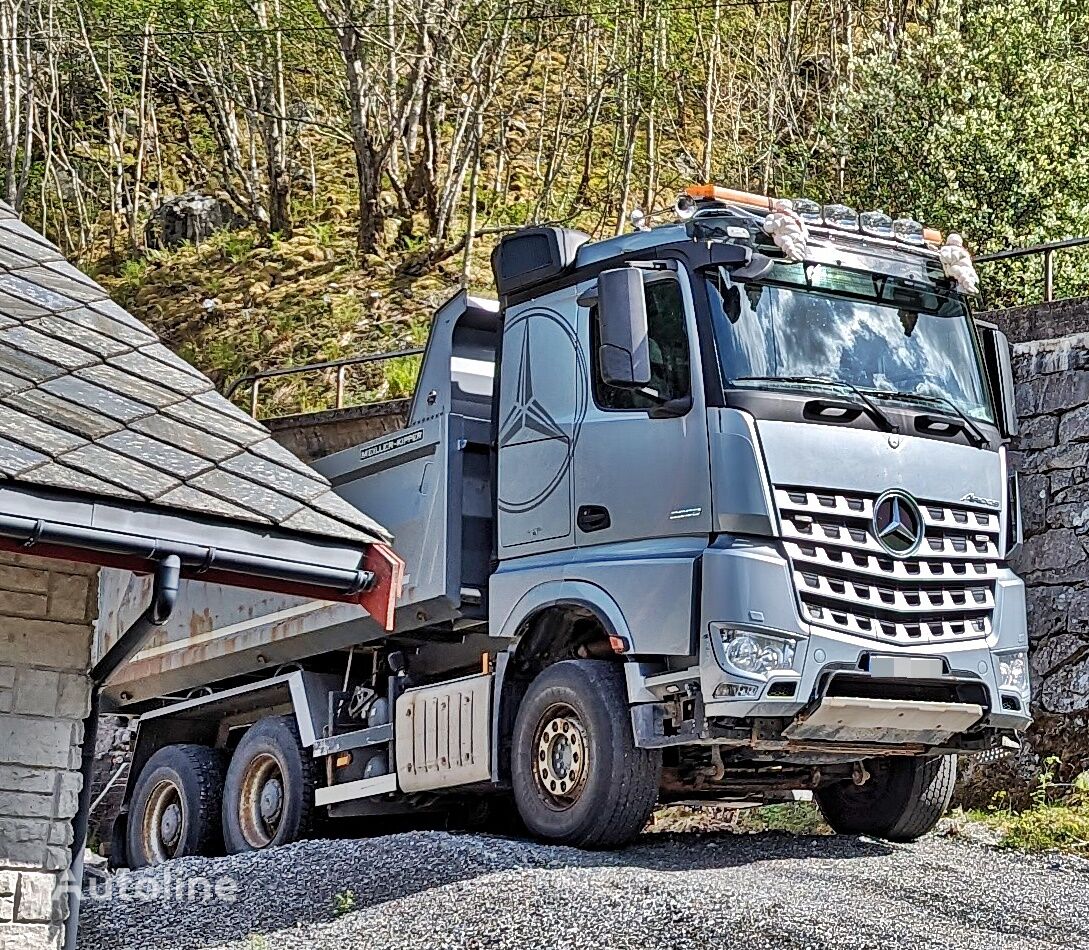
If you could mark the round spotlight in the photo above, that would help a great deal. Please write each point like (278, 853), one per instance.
(876, 223)
(685, 207)
(807, 210)
(841, 217)
(909, 231)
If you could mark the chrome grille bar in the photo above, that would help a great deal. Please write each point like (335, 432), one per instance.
(847, 580)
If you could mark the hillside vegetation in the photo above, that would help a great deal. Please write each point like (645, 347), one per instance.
(369, 154)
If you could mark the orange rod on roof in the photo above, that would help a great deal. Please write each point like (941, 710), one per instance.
(716, 193)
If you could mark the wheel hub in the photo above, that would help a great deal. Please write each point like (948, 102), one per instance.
(261, 804)
(272, 799)
(170, 825)
(561, 756)
(163, 827)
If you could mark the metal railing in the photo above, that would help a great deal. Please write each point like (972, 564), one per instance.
(1047, 250)
(341, 366)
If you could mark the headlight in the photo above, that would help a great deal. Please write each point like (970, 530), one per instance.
(1013, 671)
(757, 654)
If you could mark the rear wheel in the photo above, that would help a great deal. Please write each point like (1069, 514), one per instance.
(175, 805)
(902, 800)
(268, 799)
(578, 777)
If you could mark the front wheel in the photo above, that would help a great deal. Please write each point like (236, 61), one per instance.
(578, 777)
(902, 800)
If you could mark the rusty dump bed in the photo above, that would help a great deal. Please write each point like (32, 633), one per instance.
(410, 467)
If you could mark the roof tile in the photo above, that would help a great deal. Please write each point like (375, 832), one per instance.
(31, 431)
(55, 475)
(16, 459)
(158, 454)
(186, 437)
(61, 412)
(120, 469)
(64, 329)
(18, 237)
(20, 309)
(128, 385)
(316, 523)
(217, 423)
(276, 477)
(185, 496)
(30, 341)
(269, 504)
(20, 363)
(108, 326)
(104, 401)
(143, 364)
(16, 285)
(12, 384)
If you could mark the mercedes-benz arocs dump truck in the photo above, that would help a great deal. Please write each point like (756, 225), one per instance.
(683, 515)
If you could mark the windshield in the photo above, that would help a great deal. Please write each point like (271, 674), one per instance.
(883, 336)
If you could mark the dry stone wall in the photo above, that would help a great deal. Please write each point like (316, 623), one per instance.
(1051, 365)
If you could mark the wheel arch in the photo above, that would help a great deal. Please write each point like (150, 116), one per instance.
(554, 621)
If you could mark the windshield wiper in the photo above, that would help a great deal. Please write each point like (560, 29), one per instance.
(973, 431)
(882, 420)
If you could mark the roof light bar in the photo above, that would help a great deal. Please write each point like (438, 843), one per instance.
(838, 216)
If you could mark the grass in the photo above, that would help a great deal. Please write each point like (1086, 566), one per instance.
(1057, 819)
(796, 818)
(1062, 826)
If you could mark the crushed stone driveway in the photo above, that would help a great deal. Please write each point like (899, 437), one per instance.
(433, 890)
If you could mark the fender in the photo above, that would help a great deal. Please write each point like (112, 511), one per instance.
(549, 594)
(555, 593)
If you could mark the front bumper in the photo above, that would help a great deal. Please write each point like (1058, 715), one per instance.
(748, 586)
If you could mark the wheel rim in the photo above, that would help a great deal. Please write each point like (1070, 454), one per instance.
(261, 804)
(561, 761)
(165, 821)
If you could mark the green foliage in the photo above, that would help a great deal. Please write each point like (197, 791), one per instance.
(343, 903)
(1057, 820)
(975, 122)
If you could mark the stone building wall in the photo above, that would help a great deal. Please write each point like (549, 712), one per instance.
(47, 608)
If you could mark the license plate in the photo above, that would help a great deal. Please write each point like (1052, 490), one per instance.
(907, 667)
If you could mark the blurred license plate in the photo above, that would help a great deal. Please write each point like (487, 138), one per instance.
(908, 667)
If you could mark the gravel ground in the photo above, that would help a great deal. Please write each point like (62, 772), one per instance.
(432, 890)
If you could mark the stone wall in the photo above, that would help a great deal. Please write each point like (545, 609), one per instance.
(47, 608)
(314, 435)
(1051, 365)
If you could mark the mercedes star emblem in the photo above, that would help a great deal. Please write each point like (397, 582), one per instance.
(897, 523)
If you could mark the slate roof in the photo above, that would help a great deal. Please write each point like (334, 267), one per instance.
(92, 402)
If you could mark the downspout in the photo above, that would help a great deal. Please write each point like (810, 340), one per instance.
(164, 595)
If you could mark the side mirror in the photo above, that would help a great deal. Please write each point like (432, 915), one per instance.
(623, 352)
(999, 365)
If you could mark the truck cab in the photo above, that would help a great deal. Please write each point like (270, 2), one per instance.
(686, 515)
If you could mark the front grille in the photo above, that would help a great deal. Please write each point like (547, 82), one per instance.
(847, 580)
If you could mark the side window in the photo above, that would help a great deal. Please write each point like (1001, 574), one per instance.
(670, 370)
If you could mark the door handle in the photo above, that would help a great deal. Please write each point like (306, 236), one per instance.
(593, 518)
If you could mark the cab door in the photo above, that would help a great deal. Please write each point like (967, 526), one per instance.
(642, 466)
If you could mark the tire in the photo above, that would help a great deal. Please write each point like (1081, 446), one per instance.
(175, 806)
(903, 799)
(268, 799)
(606, 801)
